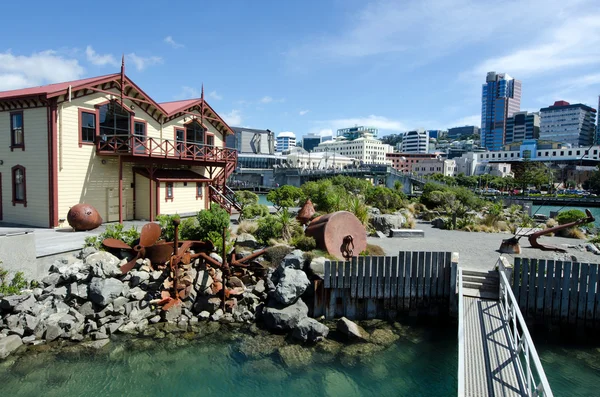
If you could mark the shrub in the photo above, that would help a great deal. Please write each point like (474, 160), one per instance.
(358, 208)
(245, 199)
(255, 211)
(570, 216)
(129, 236)
(13, 287)
(276, 254)
(187, 228)
(304, 243)
(166, 223)
(285, 197)
(247, 227)
(373, 250)
(387, 200)
(268, 227)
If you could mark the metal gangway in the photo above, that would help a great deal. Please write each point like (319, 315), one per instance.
(496, 355)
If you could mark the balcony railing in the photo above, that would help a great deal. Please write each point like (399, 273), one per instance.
(142, 146)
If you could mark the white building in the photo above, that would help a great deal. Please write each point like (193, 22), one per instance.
(415, 142)
(435, 166)
(366, 150)
(319, 161)
(570, 124)
(286, 140)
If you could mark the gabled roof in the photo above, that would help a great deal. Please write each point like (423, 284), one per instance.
(51, 89)
(175, 106)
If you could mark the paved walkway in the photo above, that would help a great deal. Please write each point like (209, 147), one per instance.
(479, 250)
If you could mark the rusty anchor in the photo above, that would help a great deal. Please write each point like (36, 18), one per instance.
(512, 246)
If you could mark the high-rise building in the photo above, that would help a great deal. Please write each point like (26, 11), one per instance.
(500, 99)
(248, 140)
(310, 141)
(286, 141)
(521, 126)
(357, 131)
(435, 134)
(460, 132)
(415, 142)
(570, 124)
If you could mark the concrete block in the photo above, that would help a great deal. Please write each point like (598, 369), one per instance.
(406, 233)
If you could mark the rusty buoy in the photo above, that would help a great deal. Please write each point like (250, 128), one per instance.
(306, 213)
(340, 234)
(83, 217)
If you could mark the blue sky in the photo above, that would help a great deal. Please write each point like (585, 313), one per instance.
(314, 66)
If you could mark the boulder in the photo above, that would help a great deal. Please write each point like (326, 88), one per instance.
(9, 345)
(317, 266)
(384, 337)
(87, 251)
(294, 259)
(203, 283)
(216, 257)
(139, 277)
(246, 240)
(52, 332)
(309, 329)
(104, 264)
(385, 222)
(592, 248)
(438, 223)
(259, 288)
(104, 291)
(292, 284)
(279, 317)
(351, 329)
(294, 356)
(136, 294)
(51, 279)
(209, 304)
(12, 302)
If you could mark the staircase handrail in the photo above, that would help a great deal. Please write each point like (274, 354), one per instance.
(461, 333)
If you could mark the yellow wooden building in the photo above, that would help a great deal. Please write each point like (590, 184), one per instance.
(105, 142)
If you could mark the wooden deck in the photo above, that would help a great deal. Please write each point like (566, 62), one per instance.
(490, 367)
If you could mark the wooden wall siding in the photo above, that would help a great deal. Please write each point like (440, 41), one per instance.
(383, 286)
(557, 292)
(184, 199)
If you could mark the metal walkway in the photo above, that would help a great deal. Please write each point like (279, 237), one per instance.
(490, 367)
(496, 355)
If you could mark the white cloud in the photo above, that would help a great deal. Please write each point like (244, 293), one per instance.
(39, 68)
(325, 132)
(169, 40)
(214, 95)
(188, 93)
(233, 118)
(99, 60)
(380, 122)
(142, 63)
(303, 112)
(266, 99)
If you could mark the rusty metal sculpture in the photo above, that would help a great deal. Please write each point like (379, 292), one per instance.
(83, 217)
(511, 245)
(340, 233)
(306, 213)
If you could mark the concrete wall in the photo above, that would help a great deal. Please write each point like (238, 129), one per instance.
(17, 253)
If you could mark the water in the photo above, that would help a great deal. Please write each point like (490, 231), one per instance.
(423, 362)
(262, 199)
(546, 209)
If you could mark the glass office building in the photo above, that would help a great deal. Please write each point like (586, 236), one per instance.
(500, 99)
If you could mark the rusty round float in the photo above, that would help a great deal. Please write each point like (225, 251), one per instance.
(340, 234)
(306, 213)
(83, 217)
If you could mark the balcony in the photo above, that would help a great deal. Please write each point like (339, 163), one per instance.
(144, 147)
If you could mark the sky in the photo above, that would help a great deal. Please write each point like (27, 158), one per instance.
(314, 66)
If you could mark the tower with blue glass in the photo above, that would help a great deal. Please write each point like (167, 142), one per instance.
(500, 99)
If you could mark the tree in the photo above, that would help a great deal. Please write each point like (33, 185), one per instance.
(593, 183)
(245, 199)
(530, 173)
(387, 200)
(285, 197)
(449, 203)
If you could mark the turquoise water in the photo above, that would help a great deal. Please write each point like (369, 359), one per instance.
(262, 199)
(546, 209)
(422, 363)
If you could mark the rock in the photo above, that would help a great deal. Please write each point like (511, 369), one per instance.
(206, 303)
(104, 291)
(295, 356)
(351, 329)
(52, 332)
(51, 279)
(317, 266)
(259, 346)
(87, 310)
(216, 316)
(16, 331)
(309, 329)
(8, 345)
(139, 277)
(119, 302)
(234, 282)
(292, 284)
(156, 275)
(59, 292)
(28, 339)
(128, 328)
(339, 384)
(284, 318)
(136, 293)
(246, 240)
(259, 288)
(383, 337)
(25, 305)
(87, 251)
(99, 335)
(216, 257)
(173, 313)
(97, 344)
(438, 223)
(385, 222)
(294, 259)
(204, 315)
(204, 283)
(30, 322)
(10, 303)
(104, 264)
(352, 354)
(592, 248)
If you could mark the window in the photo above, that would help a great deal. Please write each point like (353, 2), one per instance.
(19, 191)
(169, 191)
(210, 140)
(17, 134)
(194, 133)
(199, 188)
(88, 127)
(114, 119)
(139, 130)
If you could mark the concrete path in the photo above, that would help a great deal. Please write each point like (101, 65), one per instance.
(480, 250)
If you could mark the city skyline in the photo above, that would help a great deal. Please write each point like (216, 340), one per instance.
(316, 67)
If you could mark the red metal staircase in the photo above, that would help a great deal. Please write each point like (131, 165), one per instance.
(220, 193)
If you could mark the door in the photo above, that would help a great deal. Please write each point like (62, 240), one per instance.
(139, 130)
(113, 205)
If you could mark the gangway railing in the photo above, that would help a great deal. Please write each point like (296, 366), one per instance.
(461, 334)
(528, 361)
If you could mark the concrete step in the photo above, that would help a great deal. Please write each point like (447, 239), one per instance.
(406, 233)
(481, 280)
(479, 273)
(475, 293)
(481, 287)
